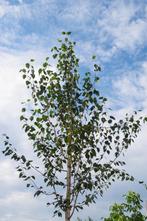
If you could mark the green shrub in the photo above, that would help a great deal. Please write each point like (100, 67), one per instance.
(130, 210)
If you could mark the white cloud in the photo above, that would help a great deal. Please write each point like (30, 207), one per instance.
(8, 175)
(130, 87)
(22, 206)
(2, 10)
(12, 87)
(11, 90)
(136, 155)
(126, 87)
(121, 28)
(14, 9)
(119, 25)
(143, 80)
(80, 12)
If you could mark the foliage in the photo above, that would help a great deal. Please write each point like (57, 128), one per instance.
(77, 141)
(128, 211)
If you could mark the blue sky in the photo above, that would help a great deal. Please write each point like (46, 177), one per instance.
(116, 32)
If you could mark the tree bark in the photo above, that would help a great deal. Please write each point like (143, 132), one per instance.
(68, 191)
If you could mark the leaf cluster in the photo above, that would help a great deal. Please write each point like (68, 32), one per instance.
(130, 210)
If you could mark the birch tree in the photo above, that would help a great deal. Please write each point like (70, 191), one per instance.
(77, 141)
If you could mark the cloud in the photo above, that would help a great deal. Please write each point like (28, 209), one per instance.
(20, 205)
(2, 10)
(107, 29)
(130, 87)
(80, 12)
(116, 26)
(8, 175)
(12, 87)
(122, 27)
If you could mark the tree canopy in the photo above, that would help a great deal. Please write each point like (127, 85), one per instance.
(76, 138)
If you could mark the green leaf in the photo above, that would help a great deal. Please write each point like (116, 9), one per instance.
(45, 64)
(23, 158)
(103, 119)
(27, 65)
(23, 109)
(37, 193)
(22, 117)
(28, 82)
(97, 67)
(23, 76)
(23, 70)
(55, 55)
(93, 57)
(40, 70)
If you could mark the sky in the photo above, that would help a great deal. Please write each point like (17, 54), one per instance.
(116, 32)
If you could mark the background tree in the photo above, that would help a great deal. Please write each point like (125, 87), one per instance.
(130, 210)
(77, 141)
